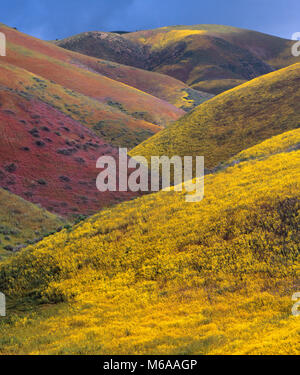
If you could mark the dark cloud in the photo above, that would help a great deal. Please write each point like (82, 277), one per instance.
(50, 19)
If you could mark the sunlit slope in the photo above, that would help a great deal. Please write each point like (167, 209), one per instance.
(114, 47)
(159, 275)
(213, 58)
(22, 222)
(54, 64)
(285, 142)
(273, 50)
(232, 121)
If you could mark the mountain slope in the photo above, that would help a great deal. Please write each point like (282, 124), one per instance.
(214, 58)
(211, 58)
(285, 142)
(56, 119)
(200, 58)
(48, 158)
(54, 64)
(232, 121)
(107, 45)
(139, 280)
(22, 222)
(106, 121)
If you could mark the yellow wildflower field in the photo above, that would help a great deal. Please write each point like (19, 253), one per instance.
(157, 275)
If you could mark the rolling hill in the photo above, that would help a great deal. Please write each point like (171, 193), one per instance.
(106, 121)
(286, 142)
(136, 279)
(46, 157)
(151, 274)
(211, 58)
(232, 121)
(132, 107)
(58, 114)
(104, 46)
(23, 222)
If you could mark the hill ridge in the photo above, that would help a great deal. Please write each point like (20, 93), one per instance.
(210, 58)
(232, 121)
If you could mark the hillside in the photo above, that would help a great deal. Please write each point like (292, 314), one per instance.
(135, 279)
(106, 121)
(106, 46)
(286, 142)
(214, 58)
(58, 115)
(132, 107)
(113, 47)
(159, 85)
(232, 121)
(46, 157)
(211, 58)
(23, 222)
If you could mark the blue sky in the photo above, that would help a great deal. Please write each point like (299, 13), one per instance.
(50, 19)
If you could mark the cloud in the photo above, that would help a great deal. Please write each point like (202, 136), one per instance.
(50, 19)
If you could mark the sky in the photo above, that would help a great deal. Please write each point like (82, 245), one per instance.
(56, 19)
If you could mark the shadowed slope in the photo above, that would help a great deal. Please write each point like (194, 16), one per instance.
(108, 46)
